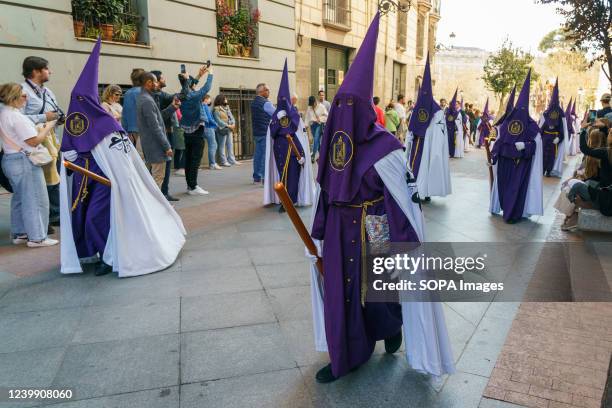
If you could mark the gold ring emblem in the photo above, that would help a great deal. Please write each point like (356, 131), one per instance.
(341, 150)
(515, 127)
(284, 121)
(77, 124)
(554, 115)
(422, 115)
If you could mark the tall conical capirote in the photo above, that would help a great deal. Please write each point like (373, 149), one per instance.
(509, 107)
(425, 106)
(352, 141)
(289, 121)
(518, 126)
(553, 115)
(359, 80)
(87, 123)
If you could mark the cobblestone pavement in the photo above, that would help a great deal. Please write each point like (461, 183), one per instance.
(229, 325)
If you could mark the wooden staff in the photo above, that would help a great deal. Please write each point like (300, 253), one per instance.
(294, 147)
(85, 172)
(297, 223)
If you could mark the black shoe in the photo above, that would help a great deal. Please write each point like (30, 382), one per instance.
(281, 209)
(102, 269)
(50, 230)
(427, 199)
(171, 198)
(392, 344)
(325, 375)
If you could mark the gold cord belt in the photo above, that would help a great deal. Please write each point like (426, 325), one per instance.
(557, 145)
(364, 212)
(82, 190)
(416, 151)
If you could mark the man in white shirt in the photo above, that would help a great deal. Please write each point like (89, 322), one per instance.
(401, 112)
(324, 101)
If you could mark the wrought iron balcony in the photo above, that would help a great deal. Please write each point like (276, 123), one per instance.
(337, 14)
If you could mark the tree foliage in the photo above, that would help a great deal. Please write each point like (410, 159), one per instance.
(507, 67)
(589, 23)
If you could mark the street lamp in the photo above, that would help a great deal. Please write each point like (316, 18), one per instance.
(385, 6)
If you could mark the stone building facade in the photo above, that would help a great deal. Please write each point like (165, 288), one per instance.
(170, 33)
(329, 32)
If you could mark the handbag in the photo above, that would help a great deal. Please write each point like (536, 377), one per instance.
(39, 156)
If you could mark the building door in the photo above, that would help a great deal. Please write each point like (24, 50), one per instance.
(399, 80)
(240, 104)
(328, 67)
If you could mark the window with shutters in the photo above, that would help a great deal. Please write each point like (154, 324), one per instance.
(337, 14)
(402, 29)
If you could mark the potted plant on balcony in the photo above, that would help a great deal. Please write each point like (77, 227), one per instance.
(81, 12)
(106, 13)
(125, 32)
(250, 34)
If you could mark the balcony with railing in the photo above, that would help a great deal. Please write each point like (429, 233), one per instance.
(337, 14)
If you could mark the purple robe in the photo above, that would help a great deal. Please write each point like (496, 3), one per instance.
(513, 165)
(281, 149)
(513, 170)
(552, 128)
(352, 330)
(90, 211)
(451, 126)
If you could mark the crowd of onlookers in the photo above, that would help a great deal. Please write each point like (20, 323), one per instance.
(171, 131)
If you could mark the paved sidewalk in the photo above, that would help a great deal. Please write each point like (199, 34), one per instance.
(229, 325)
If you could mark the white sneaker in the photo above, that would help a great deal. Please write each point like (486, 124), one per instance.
(20, 239)
(226, 165)
(197, 191)
(179, 172)
(236, 163)
(44, 243)
(215, 167)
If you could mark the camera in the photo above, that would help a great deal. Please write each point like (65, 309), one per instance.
(61, 117)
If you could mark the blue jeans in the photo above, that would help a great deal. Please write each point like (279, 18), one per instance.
(30, 201)
(259, 158)
(316, 129)
(211, 141)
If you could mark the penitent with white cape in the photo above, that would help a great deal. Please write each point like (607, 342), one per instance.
(139, 232)
(428, 347)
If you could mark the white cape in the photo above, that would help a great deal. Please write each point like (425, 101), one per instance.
(573, 147)
(428, 347)
(466, 137)
(534, 202)
(306, 184)
(434, 171)
(460, 139)
(146, 234)
(562, 147)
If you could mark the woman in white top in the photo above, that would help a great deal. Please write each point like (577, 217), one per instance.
(316, 116)
(110, 101)
(30, 202)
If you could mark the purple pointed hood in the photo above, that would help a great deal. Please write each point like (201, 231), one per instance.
(452, 111)
(509, 107)
(486, 116)
(289, 124)
(87, 123)
(574, 109)
(553, 115)
(352, 141)
(518, 126)
(425, 106)
(485, 126)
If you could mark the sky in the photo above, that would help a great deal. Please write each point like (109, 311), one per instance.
(486, 23)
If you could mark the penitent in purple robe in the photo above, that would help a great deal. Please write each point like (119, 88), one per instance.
(87, 124)
(484, 127)
(423, 112)
(551, 129)
(451, 125)
(352, 143)
(287, 125)
(352, 330)
(514, 166)
(90, 210)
